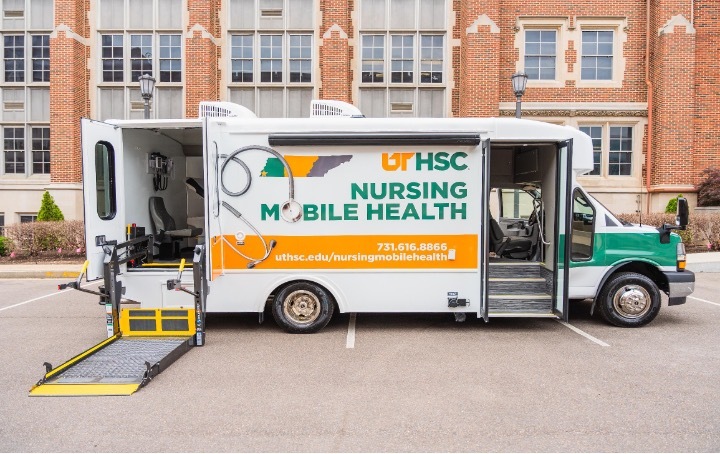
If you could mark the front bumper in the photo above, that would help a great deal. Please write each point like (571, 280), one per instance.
(680, 285)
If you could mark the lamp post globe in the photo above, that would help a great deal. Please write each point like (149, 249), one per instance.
(519, 83)
(147, 86)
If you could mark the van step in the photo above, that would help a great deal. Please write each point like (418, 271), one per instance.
(516, 285)
(514, 269)
(539, 314)
(530, 303)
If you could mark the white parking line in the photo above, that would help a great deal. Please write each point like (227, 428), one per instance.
(704, 301)
(350, 343)
(44, 296)
(584, 334)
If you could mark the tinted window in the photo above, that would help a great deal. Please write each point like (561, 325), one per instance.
(105, 180)
(583, 228)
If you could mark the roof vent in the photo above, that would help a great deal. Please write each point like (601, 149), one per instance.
(224, 109)
(322, 108)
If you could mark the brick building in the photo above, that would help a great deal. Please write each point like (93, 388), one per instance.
(641, 77)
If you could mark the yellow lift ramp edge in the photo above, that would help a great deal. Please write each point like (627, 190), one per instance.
(150, 340)
(141, 343)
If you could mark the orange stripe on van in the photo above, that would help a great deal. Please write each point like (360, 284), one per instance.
(349, 252)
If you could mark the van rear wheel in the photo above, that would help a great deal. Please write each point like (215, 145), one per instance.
(302, 307)
(629, 300)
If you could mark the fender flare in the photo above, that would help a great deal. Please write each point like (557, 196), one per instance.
(612, 271)
(334, 291)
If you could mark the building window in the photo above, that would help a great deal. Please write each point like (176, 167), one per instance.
(300, 58)
(241, 58)
(540, 54)
(41, 149)
(140, 56)
(620, 150)
(595, 133)
(373, 58)
(14, 54)
(112, 58)
(2, 224)
(25, 218)
(41, 58)
(14, 149)
(170, 58)
(597, 55)
(402, 58)
(271, 58)
(431, 59)
(612, 149)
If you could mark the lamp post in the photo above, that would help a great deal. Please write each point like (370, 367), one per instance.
(147, 85)
(519, 82)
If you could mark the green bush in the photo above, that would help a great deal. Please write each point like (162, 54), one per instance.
(49, 211)
(5, 245)
(671, 206)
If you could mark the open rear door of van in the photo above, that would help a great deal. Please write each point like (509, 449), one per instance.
(103, 190)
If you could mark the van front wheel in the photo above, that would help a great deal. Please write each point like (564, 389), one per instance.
(629, 300)
(302, 307)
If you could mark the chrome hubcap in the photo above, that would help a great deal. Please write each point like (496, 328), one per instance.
(632, 301)
(302, 307)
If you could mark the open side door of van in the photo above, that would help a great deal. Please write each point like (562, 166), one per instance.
(562, 232)
(103, 190)
(484, 259)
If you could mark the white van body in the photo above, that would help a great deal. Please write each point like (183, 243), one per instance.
(380, 214)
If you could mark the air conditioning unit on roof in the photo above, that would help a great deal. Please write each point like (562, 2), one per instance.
(324, 108)
(224, 109)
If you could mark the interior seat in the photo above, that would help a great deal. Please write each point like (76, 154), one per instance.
(516, 248)
(165, 230)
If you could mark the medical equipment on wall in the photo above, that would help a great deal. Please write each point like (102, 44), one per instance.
(290, 210)
(162, 168)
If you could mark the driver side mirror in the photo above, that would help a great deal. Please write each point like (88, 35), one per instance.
(683, 213)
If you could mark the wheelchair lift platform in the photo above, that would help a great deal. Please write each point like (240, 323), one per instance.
(142, 342)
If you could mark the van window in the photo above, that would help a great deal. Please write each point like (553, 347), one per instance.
(105, 180)
(583, 228)
(515, 204)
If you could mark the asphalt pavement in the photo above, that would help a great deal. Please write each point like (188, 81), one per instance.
(372, 382)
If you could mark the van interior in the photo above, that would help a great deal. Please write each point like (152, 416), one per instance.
(521, 232)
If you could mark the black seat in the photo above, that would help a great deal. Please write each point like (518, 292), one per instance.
(516, 248)
(165, 230)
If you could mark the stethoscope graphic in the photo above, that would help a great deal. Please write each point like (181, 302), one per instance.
(290, 211)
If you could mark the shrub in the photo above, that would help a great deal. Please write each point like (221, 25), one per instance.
(5, 245)
(49, 211)
(671, 206)
(32, 238)
(709, 188)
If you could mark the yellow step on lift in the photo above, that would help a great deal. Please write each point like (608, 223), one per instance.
(141, 343)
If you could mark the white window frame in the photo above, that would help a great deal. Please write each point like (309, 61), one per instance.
(560, 26)
(636, 152)
(27, 128)
(619, 28)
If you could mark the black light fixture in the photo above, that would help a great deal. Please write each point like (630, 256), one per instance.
(147, 86)
(519, 82)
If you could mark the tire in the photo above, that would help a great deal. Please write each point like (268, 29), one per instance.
(302, 307)
(629, 300)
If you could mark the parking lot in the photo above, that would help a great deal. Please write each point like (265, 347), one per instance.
(377, 383)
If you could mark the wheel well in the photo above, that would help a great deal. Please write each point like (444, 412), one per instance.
(645, 269)
(279, 288)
